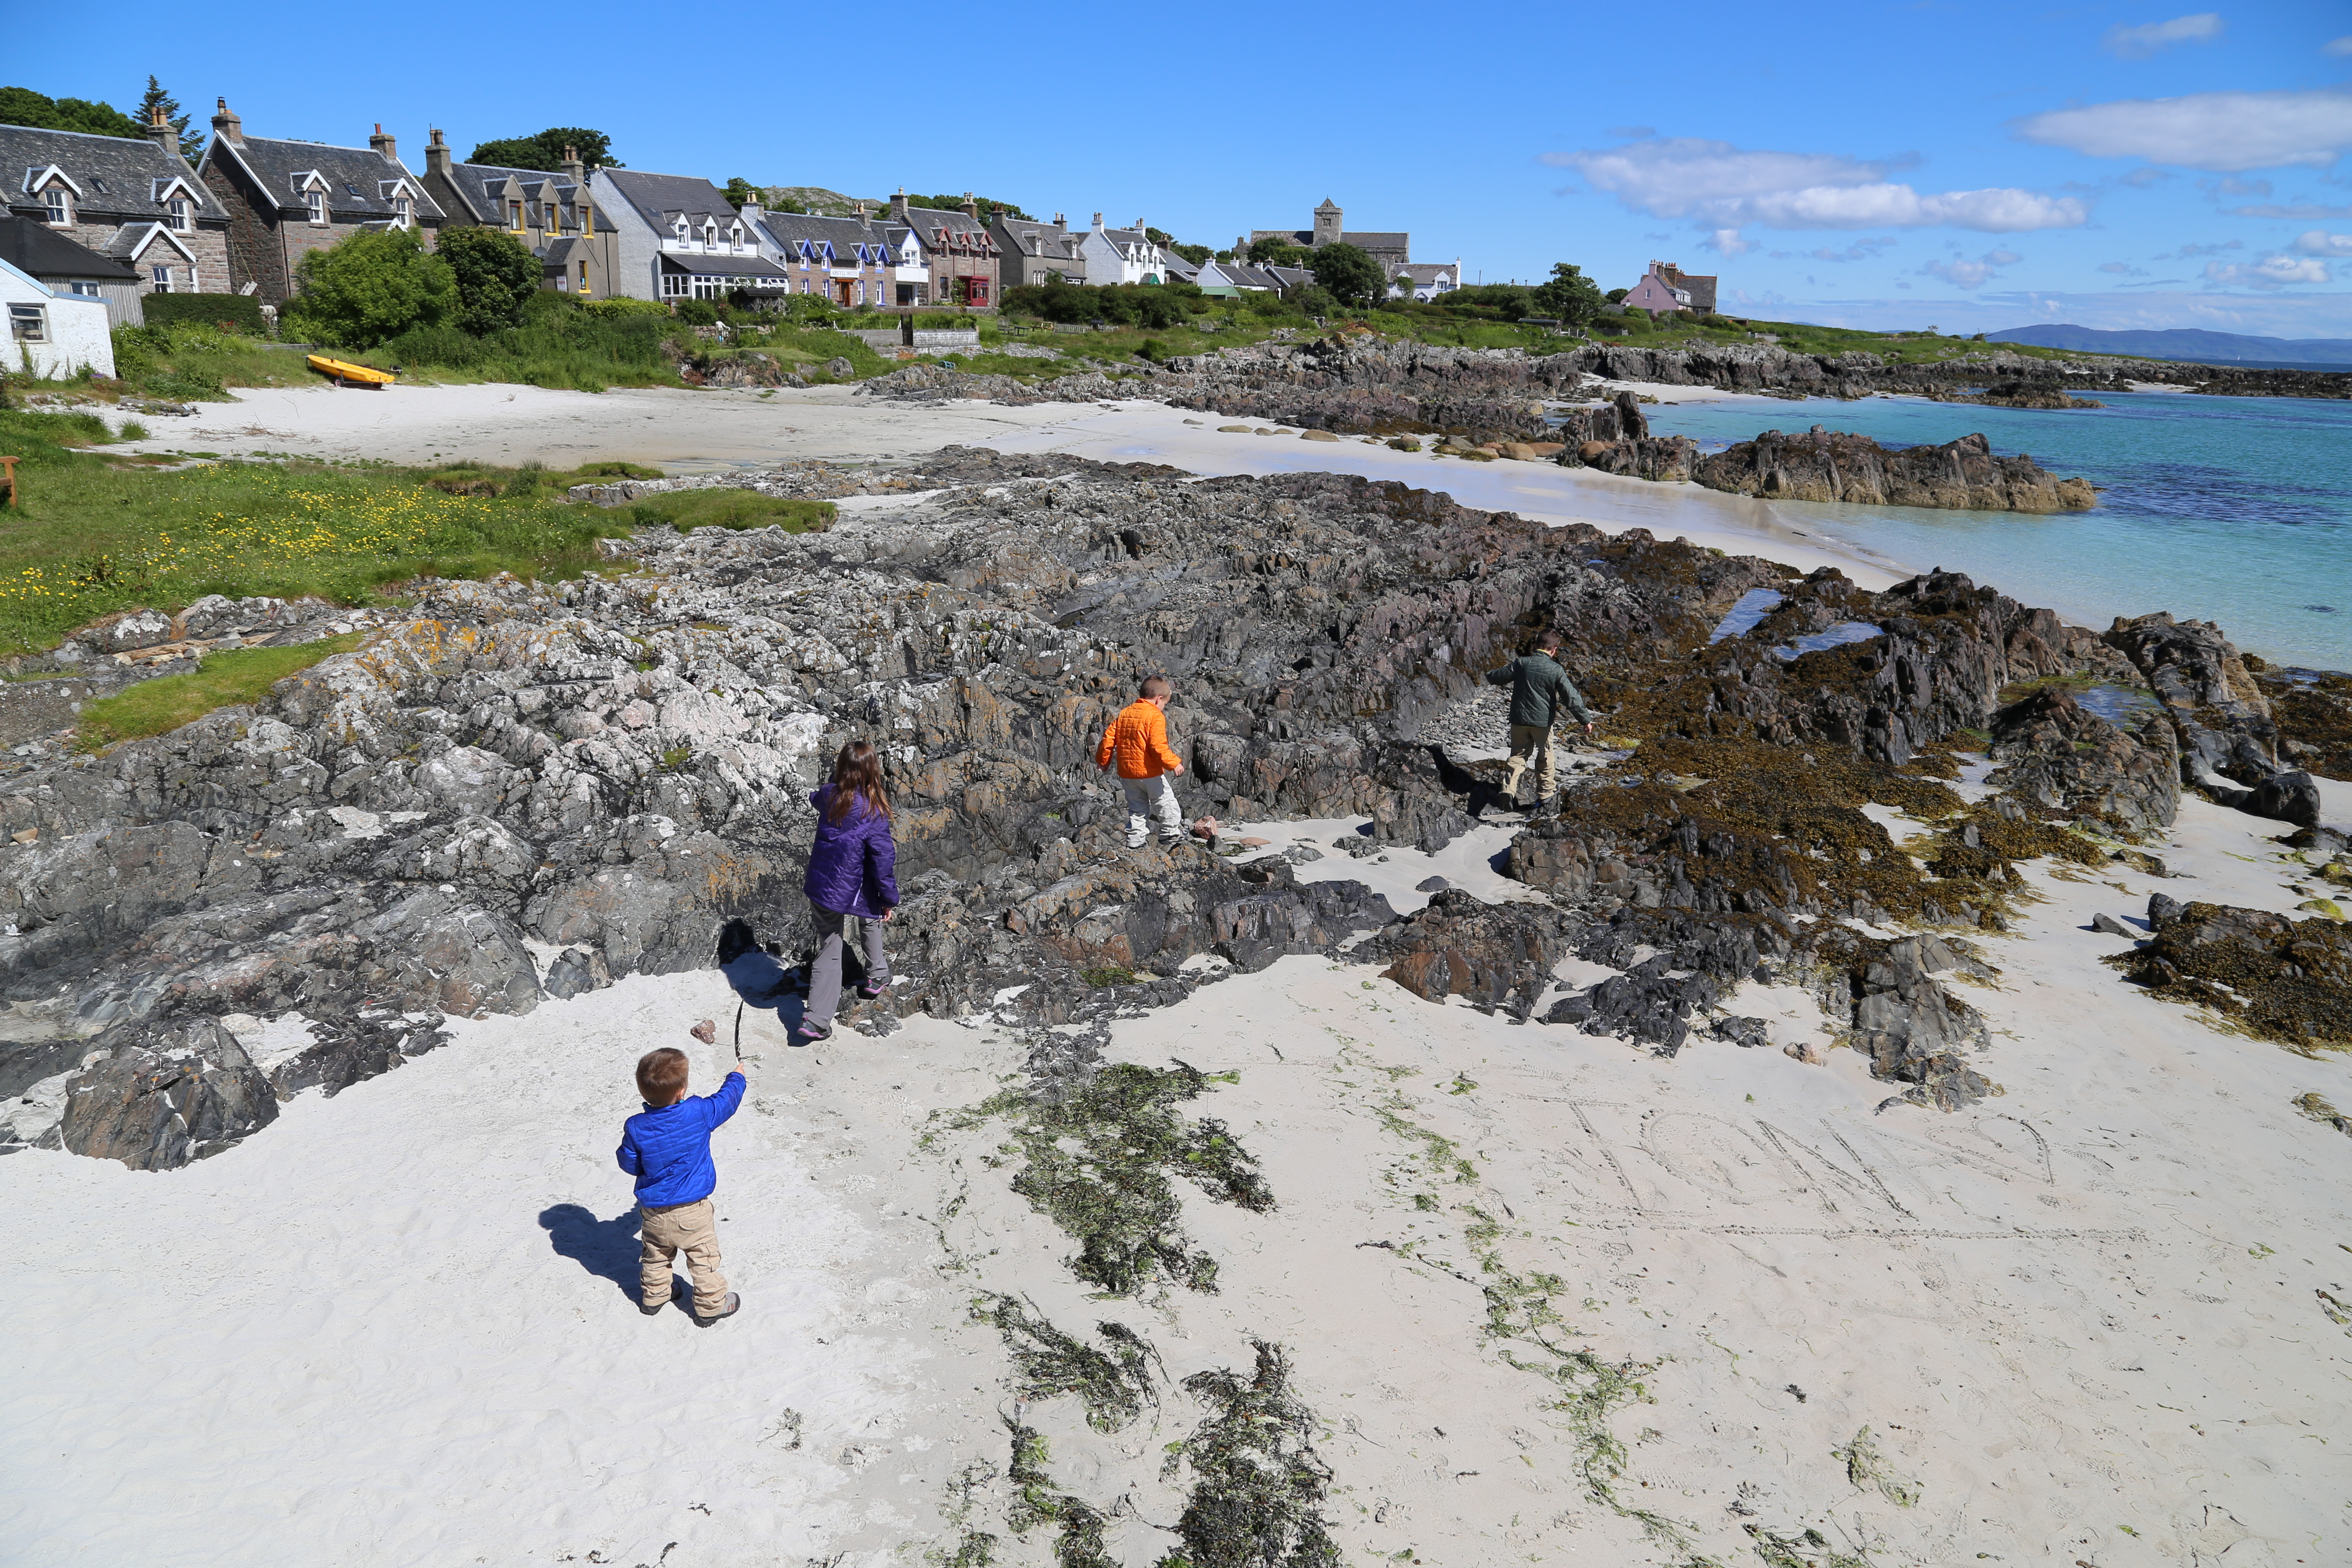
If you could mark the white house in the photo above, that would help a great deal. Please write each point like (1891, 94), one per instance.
(1121, 254)
(677, 237)
(1425, 280)
(53, 334)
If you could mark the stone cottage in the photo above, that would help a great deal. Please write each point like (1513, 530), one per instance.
(551, 211)
(1031, 252)
(136, 202)
(286, 199)
(961, 257)
(1666, 288)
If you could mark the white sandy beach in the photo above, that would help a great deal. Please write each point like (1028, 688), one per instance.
(2080, 1321)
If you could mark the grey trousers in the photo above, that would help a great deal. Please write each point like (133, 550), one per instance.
(825, 971)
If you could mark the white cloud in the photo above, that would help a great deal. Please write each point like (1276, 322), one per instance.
(1962, 273)
(2138, 43)
(2305, 211)
(1727, 188)
(2319, 242)
(1730, 242)
(2123, 270)
(2224, 132)
(2342, 46)
(2271, 272)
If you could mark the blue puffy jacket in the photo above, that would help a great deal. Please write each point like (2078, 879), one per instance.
(852, 864)
(668, 1149)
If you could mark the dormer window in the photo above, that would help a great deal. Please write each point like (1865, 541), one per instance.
(315, 203)
(709, 235)
(181, 219)
(60, 205)
(514, 217)
(402, 212)
(679, 229)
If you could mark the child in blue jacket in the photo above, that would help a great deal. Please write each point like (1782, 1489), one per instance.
(666, 1146)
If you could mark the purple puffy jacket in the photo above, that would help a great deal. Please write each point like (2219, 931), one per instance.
(851, 863)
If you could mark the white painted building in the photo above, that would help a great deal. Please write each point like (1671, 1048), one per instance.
(1121, 254)
(51, 334)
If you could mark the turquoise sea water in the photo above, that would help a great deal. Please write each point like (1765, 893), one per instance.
(2235, 510)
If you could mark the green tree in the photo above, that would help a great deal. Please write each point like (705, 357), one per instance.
(1349, 274)
(1569, 296)
(741, 192)
(370, 288)
(1196, 254)
(496, 275)
(1279, 253)
(545, 150)
(191, 142)
(23, 106)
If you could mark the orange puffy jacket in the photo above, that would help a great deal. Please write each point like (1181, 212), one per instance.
(1138, 738)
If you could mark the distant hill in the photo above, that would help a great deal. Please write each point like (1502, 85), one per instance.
(2195, 346)
(817, 199)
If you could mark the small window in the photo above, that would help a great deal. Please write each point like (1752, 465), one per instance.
(514, 217)
(181, 220)
(60, 205)
(162, 279)
(401, 211)
(316, 202)
(28, 323)
(583, 277)
(350, 187)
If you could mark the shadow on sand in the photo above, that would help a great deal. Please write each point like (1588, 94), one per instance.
(605, 1248)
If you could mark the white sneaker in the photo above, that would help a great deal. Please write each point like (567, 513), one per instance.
(1136, 843)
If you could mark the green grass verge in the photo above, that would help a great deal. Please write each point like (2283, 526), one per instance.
(689, 510)
(155, 706)
(94, 535)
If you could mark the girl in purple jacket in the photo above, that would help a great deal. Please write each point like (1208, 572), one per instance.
(849, 877)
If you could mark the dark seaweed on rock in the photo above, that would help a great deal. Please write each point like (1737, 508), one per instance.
(2282, 979)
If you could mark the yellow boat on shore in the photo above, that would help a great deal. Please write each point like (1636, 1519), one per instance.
(345, 372)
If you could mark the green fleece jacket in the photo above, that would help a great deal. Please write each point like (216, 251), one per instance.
(1539, 688)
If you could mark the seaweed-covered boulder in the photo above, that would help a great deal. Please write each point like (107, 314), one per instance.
(1833, 465)
(2209, 696)
(165, 1094)
(2283, 979)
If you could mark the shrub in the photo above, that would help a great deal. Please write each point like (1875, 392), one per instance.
(620, 306)
(1349, 274)
(369, 288)
(1569, 296)
(698, 312)
(439, 345)
(496, 274)
(229, 312)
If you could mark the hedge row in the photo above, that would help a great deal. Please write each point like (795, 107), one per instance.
(233, 312)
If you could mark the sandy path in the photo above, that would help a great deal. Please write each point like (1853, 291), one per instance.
(2081, 1319)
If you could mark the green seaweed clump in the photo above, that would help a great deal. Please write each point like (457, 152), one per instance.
(1115, 1384)
(1101, 1153)
(1259, 1487)
(1866, 1467)
(1035, 1502)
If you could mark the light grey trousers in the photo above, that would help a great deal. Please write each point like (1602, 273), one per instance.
(824, 970)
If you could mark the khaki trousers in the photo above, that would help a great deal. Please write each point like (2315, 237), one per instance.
(1531, 747)
(693, 1230)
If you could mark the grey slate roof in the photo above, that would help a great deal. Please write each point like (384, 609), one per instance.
(1177, 266)
(658, 198)
(786, 231)
(473, 182)
(722, 266)
(118, 178)
(1370, 240)
(356, 177)
(928, 221)
(34, 246)
(1041, 239)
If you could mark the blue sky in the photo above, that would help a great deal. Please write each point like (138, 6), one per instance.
(1970, 165)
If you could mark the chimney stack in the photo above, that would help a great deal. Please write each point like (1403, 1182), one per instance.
(160, 131)
(227, 127)
(1061, 223)
(383, 145)
(1097, 223)
(970, 208)
(573, 169)
(899, 209)
(437, 154)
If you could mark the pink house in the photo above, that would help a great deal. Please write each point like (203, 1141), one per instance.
(1655, 295)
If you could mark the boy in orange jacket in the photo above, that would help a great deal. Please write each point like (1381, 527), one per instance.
(1138, 739)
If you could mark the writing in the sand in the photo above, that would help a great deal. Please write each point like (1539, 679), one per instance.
(1987, 1176)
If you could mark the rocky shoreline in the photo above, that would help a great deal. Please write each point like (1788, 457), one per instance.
(517, 792)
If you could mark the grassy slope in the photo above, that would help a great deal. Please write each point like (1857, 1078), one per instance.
(240, 674)
(96, 535)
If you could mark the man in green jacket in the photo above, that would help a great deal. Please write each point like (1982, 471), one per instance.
(1539, 688)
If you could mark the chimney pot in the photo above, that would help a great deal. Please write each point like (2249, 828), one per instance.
(383, 145)
(160, 131)
(226, 126)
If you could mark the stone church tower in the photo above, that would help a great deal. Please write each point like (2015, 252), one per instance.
(1327, 222)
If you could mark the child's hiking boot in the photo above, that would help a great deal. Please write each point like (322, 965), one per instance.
(869, 989)
(727, 1308)
(803, 1034)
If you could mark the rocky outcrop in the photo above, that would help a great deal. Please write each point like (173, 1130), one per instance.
(157, 1096)
(1831, 465)
(2056, 754)
(2019, 394)
(521, 791)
